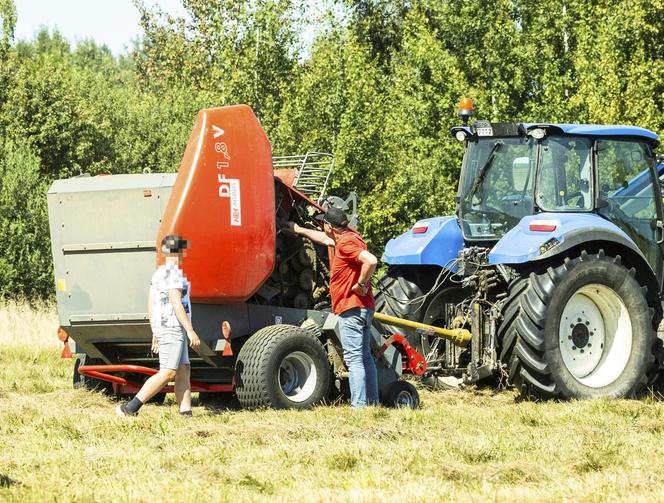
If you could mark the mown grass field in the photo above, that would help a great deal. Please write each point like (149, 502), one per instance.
(61, 444)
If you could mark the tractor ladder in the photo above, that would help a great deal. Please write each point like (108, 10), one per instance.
(313, 171)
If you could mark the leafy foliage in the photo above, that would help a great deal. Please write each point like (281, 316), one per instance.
(25, 262)
(376, 83)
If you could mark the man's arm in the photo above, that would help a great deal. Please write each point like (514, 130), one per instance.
(316, 236)
(369, 263)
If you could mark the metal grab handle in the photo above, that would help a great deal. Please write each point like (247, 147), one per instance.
(659, 232)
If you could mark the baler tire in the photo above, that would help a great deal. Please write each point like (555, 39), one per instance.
(90, 383)
(401, 394)
(552, 318)
(271, 357)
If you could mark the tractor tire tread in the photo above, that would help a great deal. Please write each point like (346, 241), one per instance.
(521, 334)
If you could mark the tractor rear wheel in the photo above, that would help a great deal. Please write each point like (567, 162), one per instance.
(581, 330)
(282, 367)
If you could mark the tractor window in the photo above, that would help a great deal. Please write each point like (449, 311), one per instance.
(509, 182)
(625, 181)
(496, 185)
(565, 181)
(627, 190)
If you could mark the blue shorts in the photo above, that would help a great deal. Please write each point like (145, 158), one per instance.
(173, 347)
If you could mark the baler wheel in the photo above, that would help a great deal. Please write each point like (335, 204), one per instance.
(401, 394)
(580, 330)
(282, 367)
(90, 383)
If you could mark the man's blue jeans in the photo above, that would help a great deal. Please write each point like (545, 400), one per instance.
(355, 331)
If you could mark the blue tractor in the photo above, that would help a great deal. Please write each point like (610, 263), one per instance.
(553, 262)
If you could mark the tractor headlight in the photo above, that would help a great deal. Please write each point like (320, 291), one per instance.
(461, 135)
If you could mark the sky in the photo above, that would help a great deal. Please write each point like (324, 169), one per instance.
(110, 22)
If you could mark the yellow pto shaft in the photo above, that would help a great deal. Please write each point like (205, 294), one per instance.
(459, 336)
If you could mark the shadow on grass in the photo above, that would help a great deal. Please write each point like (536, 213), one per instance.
(6, 481)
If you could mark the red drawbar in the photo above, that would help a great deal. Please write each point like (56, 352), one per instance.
(99, 372)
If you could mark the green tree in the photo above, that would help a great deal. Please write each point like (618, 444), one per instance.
(620, 64)
(234, 51)
(7, 25)
(25, 259)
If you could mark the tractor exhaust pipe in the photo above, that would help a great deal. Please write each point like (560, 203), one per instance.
(458, 336)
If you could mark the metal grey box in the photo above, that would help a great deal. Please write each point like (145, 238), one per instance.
(103, 233)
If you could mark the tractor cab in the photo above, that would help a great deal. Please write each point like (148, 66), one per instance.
(513, 170)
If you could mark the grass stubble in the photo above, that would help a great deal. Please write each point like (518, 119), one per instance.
(62, 444)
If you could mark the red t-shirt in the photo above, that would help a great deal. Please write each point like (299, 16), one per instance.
(345, 268)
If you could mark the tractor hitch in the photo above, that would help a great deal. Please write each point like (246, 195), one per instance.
(458, 336)
(414, 363)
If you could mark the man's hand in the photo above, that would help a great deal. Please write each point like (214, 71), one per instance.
(360, 290)
(155, 345)
(194, 341)
(290, 228)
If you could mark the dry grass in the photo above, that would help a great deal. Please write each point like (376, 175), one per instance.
(33, 326)
(63, 444)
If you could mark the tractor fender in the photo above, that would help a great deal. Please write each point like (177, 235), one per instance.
(572, 230)
(432, 241)
(539, 237)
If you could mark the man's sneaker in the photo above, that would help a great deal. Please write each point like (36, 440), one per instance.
(122, 411)
(186, 413)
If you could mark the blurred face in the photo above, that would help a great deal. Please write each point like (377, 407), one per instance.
(175, 257)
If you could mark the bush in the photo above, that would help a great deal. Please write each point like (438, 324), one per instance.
(25, 254)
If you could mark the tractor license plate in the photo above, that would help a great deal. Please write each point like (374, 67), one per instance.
(483, 128)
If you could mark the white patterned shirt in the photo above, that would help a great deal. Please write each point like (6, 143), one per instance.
(168, 277)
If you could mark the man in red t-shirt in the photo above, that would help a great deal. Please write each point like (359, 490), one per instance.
(351, 267)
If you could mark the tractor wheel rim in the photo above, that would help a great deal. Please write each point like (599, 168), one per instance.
(595, 335)
(297, 376)
(404, 399)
